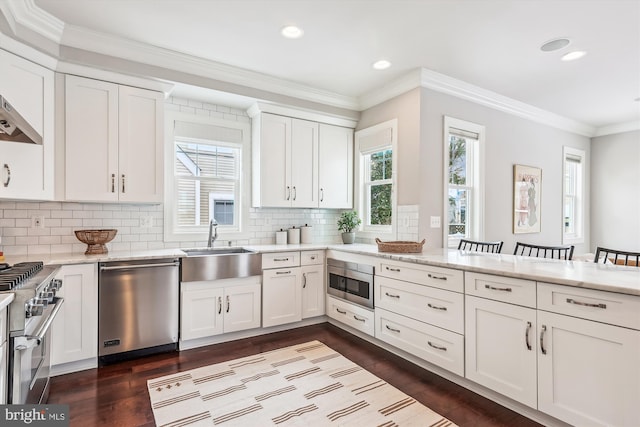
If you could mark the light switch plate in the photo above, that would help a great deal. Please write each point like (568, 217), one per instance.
(435, 222)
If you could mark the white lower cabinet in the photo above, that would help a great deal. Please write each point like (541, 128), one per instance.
(352, 315)
(75, 329)
(501, 348)
(588, 372)
(435, 345)
(223, 306)
(313, 286)
(282, 296)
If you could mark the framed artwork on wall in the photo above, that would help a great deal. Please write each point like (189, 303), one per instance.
(527, 188)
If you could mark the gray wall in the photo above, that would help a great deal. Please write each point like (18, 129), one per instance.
(509, 140)
(615, 191)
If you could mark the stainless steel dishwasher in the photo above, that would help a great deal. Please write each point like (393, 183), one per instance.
(137, 308)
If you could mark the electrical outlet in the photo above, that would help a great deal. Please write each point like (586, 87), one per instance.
(435, 222)
(146, 221)
(37, 221)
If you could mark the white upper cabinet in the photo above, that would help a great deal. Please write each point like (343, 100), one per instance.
(335, 169)
(113, 142)
(26, 169)
(301, 163)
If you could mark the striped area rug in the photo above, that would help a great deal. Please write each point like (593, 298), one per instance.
(303, 385)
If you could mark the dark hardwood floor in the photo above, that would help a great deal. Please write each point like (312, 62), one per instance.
(116, 395)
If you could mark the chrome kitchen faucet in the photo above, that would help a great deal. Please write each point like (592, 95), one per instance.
(213, 232)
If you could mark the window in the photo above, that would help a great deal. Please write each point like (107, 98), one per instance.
(463, 181)
(573, 195)
(209, 167)
(375, 179)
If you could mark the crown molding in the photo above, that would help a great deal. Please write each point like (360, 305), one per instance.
(404, 84)
(25, 13)
(618, 128)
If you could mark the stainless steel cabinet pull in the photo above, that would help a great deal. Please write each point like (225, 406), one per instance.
(283, 272)
(8, 180)
(288, 193)
(586, 304)
(435, 307)
(295, 193)
(397, 270)
(340, 311)
(431, 276)
(392, 296)
(123, 183)
(228, 303)
(219, 305)
(526, 336)
(322, 194)
(304, 280)
(391, 329)
(493, 288)
(280, 259)
(358, 319)
(542, 331)
(113, 182)
(313, 257)
(437, 347)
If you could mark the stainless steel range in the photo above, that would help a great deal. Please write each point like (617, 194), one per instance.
(31, 315)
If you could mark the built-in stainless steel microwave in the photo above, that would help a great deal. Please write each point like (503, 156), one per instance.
(350, 281)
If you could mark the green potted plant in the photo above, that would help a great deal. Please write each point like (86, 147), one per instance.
(347, 223)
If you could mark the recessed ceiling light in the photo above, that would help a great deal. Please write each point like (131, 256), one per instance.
(574, 55)
(382, 64)
(555, 44)
(292, 32)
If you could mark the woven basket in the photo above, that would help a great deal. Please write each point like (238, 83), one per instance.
(400, 247)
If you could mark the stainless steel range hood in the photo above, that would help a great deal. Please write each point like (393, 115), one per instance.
(13, 127)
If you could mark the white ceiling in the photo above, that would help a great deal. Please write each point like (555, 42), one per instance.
(492, 44)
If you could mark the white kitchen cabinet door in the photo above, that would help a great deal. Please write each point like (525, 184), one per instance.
(140, 145)
(500, 348)
(113, 142)
(274, 141)
(281, 296)
(588, 372)
(91, 140)
(313, 290)
(304, 164)
(335, 167)
(26, 170)
(75, 328)
(201, 313)
(241, 307)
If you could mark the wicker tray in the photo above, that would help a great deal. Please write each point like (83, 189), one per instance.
(400, 247)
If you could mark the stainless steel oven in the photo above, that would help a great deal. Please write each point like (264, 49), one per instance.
(350, 281)
(31, 315)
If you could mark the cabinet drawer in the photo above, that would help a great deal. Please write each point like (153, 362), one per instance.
(435, 345)
(590, 304)
(311, 257)
(499, 288)
(443, 278)
(280, 260)
(438, 307)
(357, 317)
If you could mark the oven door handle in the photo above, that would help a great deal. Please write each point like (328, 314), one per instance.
(42, 330)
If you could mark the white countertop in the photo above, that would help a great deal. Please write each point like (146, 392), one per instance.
(5, 299)
(607, 277)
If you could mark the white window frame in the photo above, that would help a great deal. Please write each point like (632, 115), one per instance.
(240, 231)
(384, 232)
(580, 156)
(477, 169)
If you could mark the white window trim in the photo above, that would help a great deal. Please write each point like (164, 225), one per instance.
(202, 233)
(477, 224)
(380, 231)
(578, 237)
